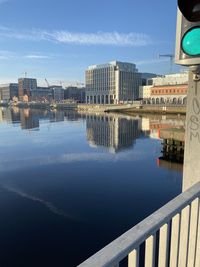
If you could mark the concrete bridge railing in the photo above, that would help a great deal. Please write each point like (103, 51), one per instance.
(171, 237)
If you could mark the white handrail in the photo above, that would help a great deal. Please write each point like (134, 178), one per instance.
(120, 248)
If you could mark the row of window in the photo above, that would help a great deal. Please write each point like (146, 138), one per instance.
(107, 99)
(167, 91)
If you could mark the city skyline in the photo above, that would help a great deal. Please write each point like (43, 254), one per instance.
(58, 40)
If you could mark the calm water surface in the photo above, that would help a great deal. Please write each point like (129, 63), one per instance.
(71, 183)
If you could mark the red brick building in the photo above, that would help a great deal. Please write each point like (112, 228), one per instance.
(169, 94)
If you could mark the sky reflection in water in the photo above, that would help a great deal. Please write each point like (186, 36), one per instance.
(70, 183)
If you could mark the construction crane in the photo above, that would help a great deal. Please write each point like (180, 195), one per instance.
(171, 56)
(48, 85)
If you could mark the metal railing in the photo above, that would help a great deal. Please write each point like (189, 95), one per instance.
(171, 237)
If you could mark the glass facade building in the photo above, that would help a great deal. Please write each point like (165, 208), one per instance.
(8, 91)
(26, 85)
(112, 83)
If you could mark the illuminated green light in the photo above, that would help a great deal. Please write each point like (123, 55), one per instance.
(191, 42)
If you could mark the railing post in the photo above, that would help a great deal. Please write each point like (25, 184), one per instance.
(193, 232)
(133, 258)
(164, 246)
(184, 237)
(175, 237)
(197, 250)
(150, 249)
(178, 219)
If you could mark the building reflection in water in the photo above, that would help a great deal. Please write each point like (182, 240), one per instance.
(29, 120)
(56, 116)
(151, 125)
(172, 150)
(1, 115)
(114, 132)
(162, 162)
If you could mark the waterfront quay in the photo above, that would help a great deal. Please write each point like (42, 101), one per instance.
(131, 108)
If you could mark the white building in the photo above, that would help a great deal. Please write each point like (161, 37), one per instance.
(168, 89)
(111, 83)
(145, 91)
(170, 79)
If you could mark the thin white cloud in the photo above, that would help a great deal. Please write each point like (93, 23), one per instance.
(4, 54)
(32, 56)
(66, 37)
(150, 61)
(102, 38)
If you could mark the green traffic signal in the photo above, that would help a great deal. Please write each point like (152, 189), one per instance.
(191, 42)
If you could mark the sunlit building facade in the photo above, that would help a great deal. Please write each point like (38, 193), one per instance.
(168, 89)
(170, 94)
(111, 83)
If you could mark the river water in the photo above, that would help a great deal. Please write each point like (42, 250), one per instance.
(71, 183)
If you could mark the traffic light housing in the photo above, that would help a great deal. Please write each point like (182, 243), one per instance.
(188, 33)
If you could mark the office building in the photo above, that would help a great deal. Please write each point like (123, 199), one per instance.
(42, 94)
(75, 93)
(8, 91)
(26, 85)
(58, 92)
(115, 82)
(147, 76)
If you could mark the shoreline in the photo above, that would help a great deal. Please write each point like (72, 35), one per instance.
(125, 109)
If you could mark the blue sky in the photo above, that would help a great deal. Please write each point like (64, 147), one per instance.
(57, 40)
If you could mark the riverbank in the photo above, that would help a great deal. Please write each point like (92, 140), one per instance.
(154, 109)
(39, 105)
(128, 109)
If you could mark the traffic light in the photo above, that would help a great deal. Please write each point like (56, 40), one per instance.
(188, 33)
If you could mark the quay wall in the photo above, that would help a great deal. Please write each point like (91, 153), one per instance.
(126, 108)
(155, 109)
